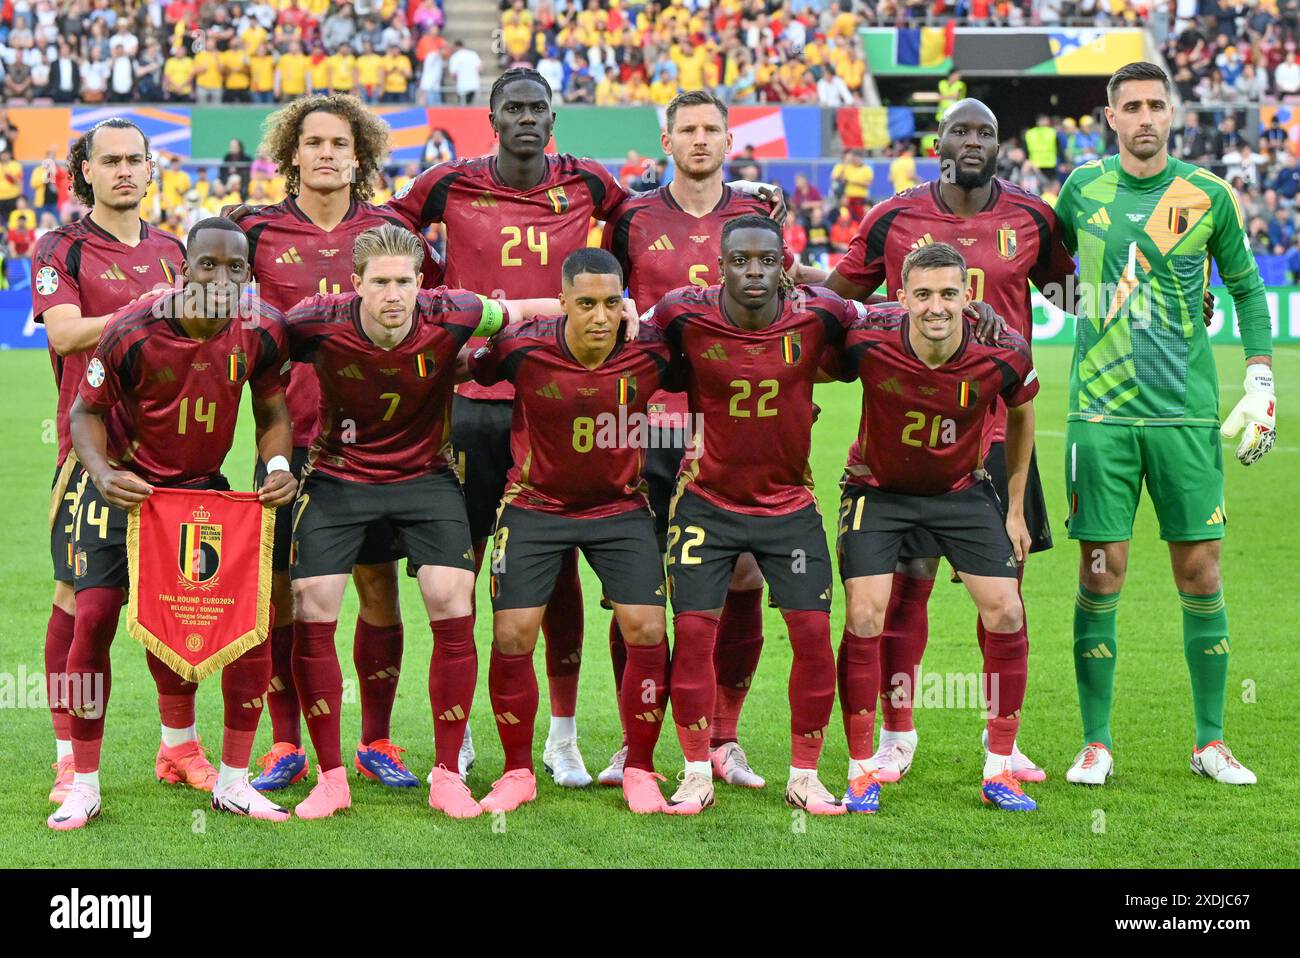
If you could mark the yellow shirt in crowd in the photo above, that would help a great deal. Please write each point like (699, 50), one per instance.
(293, 69)
(207, 70)
(857, 180)
(180, 71)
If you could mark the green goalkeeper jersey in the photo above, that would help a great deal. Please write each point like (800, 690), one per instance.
(1142, 355)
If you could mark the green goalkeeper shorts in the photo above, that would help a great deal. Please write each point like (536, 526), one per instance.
(1106, 464)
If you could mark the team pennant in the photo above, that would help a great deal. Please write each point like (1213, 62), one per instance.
(199, 564)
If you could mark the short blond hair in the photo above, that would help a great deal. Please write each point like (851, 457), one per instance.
(386, 240)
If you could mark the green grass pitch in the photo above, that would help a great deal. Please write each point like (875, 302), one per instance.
(1154, 812)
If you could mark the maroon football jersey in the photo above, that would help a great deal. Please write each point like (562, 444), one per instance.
(751, 393)
(578, 436)
(385, 414)
(172, 401)
(292, 259)
(503, 242)
(1013, 241)
(91, 269)
(920, 429)
(662, 247)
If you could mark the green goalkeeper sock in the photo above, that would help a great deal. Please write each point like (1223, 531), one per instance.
(1205, 644)
(1094, 661)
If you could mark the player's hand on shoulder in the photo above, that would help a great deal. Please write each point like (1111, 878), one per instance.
(278, 488)
(988, 324)
(632, 318)
(237, 213)
(1208, 305)
(123, 489)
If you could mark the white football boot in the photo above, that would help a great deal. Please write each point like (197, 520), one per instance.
(1215, 761)
(1092, 766)
(563, 762)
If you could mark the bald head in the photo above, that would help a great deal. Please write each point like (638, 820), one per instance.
(968, 145)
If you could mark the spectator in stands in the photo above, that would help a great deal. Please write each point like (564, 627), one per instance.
(22, 214)
(11, 184)
(1252, 83)
(465, 65)
(1040, 143)
(291, 72)
(437, 149)
(48, 221)
(64, 74)
(831, 89)
(902, 171)
(1287, 76)
(236, 161)
(148, 72)
(843, 230)
(338, 28)
(852, 180)
(18, 85)
(804, 199)
(1286, 182)
(819, 236)
(1281, 232)
(121, 73)
(431, 70)
(1276, 137)
(94, 77)
(207, 73)
(580, 87)
(1192, 141)
(1242, 163)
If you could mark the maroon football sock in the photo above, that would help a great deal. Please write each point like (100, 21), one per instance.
(642, 702)
(618, 659)
(453, 673)
(377, 655)
(562, 627)
(1006, 671)
(735, 659)
(512, 687)
(281, 693)
(812, 684)
(243, 692)
(319, 680)
(90, 678)
(58, 640)
(859, 686)
(902, 644)
(694, 684)
(175, 694)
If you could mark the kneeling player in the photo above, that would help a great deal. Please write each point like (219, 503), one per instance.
(750, 349)
(386, 357)
(157, 407)
(927, 386)
(580, 403)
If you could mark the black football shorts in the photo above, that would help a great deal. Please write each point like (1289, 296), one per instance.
(705, 540)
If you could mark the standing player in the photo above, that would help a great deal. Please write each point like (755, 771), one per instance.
(1144, 401)
(664, 239)
(385, 357)
(511, 218)
(329, 149)
(83, 272)
(927, 387)
(578, 441)
(1008, 238)
(750, 350)
(157, 406)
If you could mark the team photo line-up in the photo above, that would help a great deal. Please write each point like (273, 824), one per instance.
(451, 412)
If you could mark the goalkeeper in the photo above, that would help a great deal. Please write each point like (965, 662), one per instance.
(1144, 401)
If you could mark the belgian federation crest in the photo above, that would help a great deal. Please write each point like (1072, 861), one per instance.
(1178, 219)
(791, 348)
(424, 365)
(237, 365)
(626, 390)
(559, 200)
(199, 557)
(968, 393)
(1007, 243)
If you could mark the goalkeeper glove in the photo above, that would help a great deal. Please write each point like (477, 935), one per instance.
(1255, 412)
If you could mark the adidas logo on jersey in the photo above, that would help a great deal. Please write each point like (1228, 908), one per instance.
(550, 391)
(289, 256)
(662, 244)
(925, 240)
(113, 272)
(351, 371)
(714, 352)
(484, 201)
(1100, 218)
(1217, 518)
(1100, 652)
(165, 375)
(891, 385)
